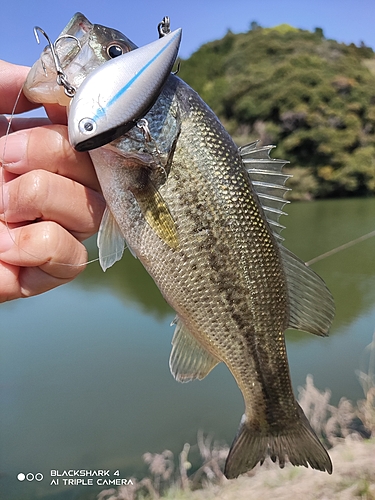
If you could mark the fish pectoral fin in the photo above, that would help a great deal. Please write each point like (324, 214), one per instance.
(188, 359)
(110, 241)
(310, 302)
(157, 214)
(297, 444)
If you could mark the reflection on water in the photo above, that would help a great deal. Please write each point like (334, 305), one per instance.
(84, 377)
(350, 274)
(128, 280)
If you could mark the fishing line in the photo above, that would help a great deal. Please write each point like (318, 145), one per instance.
(69, 90)
(10, 120)
(341, 247)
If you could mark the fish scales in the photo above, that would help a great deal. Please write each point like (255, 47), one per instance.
(185, 204)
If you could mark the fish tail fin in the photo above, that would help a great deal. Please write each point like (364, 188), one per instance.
(298, 444)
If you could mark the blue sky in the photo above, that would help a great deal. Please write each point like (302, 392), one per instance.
(344, 20)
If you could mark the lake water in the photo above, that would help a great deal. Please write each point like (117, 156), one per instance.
(84, 377)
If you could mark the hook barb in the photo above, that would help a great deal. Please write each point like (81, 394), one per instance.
(36, 29)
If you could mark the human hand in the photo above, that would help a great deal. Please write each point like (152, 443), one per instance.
(50, 199)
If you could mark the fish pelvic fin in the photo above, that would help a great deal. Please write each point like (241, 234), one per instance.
(110, 241)
(297, 444)
(157, 215)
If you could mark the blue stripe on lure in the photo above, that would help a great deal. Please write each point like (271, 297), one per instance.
(104, 108)
(112, 102)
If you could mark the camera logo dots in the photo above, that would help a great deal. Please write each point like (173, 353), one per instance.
(30, 476)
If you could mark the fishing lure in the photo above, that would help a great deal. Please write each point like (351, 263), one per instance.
(121, 91)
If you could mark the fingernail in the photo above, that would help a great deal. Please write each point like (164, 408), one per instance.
(14, 149)
(6, 240)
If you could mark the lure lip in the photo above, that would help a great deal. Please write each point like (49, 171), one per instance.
(121, 91)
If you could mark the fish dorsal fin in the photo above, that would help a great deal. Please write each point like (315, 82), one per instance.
(311, 304)
(189, 360)
(110, 241)
(268, 180)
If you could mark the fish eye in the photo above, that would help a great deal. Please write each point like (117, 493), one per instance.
(115, 50)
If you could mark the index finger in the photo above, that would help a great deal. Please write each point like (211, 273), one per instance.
(47, 148)
(12, 78)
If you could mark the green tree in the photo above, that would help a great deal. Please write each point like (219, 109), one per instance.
(312, 97)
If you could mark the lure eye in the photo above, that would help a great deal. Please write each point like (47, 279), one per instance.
(115, 51)
(87, 126)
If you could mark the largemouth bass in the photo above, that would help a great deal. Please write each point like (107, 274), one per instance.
(202, 215)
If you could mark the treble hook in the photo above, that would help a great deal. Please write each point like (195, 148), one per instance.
(178, 68)
(142, 124)
(164, 28)
(61, 76)
(55, 57)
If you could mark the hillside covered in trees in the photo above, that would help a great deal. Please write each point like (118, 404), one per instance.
(312, 97)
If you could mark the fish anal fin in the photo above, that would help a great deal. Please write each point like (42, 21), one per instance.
(297, 444)
(188, 359)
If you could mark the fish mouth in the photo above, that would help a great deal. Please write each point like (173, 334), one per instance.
(41, 83)
(81, 47)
